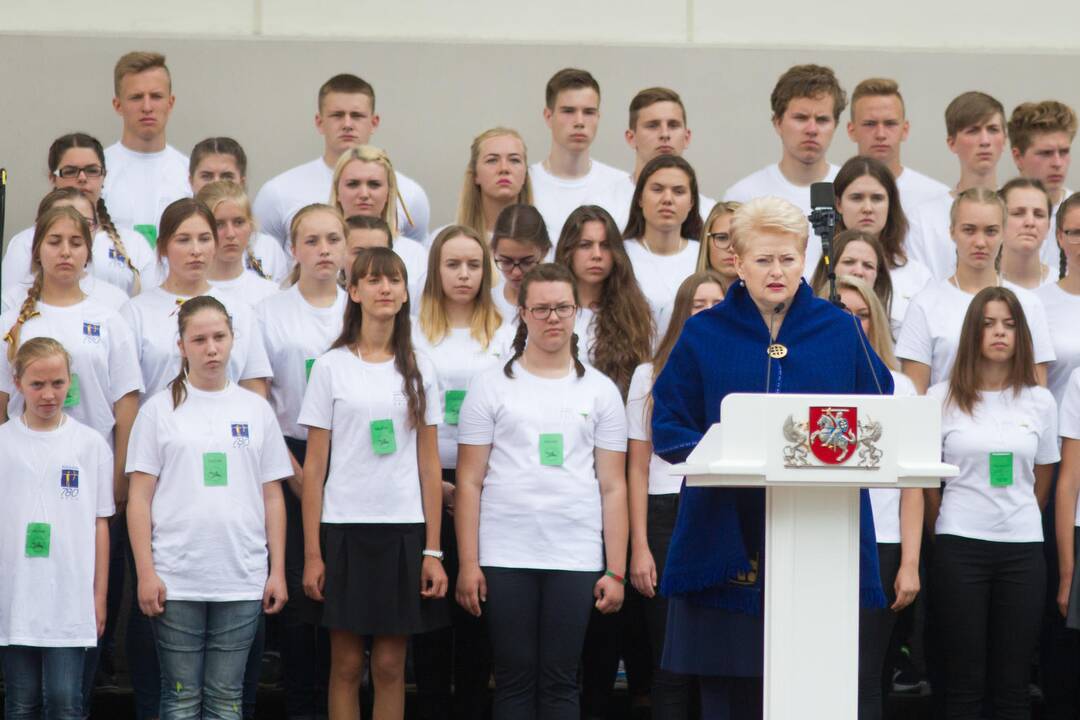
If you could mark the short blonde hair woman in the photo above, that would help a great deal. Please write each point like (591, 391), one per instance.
(377, 156)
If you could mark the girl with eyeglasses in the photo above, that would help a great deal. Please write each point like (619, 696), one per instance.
(1061, 299)
(716, 251)
(540, 511)
(519, 242)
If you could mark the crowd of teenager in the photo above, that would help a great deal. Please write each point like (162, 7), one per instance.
(385, 435)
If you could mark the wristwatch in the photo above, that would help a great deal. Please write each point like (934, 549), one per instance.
(437, 554)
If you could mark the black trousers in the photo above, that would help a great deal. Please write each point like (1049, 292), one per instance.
(537, 621)
(875, 633)
(987, 610)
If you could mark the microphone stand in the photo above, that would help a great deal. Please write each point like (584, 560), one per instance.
(824, 221)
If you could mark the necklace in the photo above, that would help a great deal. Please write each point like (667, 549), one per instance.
(956, 283)
(682, 246)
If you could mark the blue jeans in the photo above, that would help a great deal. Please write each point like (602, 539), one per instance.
(203, 648)
(43, 682)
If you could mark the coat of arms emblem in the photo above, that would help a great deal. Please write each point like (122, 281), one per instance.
(832, 435)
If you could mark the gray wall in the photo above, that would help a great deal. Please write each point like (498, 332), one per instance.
(435, 96)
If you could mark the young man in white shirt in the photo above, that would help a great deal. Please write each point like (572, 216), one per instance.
(878, 126)
(568, 177)
(657, 127)
(143, 173)
(975, 133)
(346, 118)
(1041, 136)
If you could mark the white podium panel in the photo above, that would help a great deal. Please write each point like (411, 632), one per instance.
(812, 454)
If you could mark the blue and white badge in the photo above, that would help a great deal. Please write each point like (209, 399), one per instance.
(116, 255)
(240, 434)
(91, 332)
(69, 481)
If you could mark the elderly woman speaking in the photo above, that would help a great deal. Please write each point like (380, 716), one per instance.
(769, 334)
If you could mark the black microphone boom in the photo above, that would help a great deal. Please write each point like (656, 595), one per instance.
(823, 218)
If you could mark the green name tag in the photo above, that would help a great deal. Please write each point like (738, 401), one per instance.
(454, 398)
(149, 232)
(383, 441)
(73, 393)
(1001, 469)
(215, 469)
(38, 539)
(307, 368)
(551, 449)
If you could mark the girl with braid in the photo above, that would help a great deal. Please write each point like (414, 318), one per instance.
(222, 158)
(1061, 299)
(372, 525)
(233, 271)
(540, 507)
(123, 258)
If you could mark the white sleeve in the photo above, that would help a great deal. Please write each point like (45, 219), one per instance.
(1048, 451)
(131, 317)
(915, 342)
(267, 212)
(433, 412)
(317, 410)
(16, 263)
(476, 420)
(419, 210)
(610, 422)
(1040, 332)
(257, 363)
(1069, 425)
(125, 375)
(274, 463)
(637, 397)
(7, 379)
(106, 506)
(144, 450)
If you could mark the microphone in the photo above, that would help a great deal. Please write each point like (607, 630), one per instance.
(823, 218)
(775, 349)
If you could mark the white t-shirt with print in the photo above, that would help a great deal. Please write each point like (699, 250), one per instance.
(139, 186)
(345, 395)
(284, 195)
(63, 477)
(533, 515)
(1063, 316)
(295, 332)
(886, 501)
(931, 331)
(152, 317)
(208, 533)
(104, 293)
(1024, 425)
(916, 188)
(457, 359)
(660, 277)
(639, 427)
(557, 197)
(1069, 416)
(104, 363)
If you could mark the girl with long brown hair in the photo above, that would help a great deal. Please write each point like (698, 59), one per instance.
(372, 509)
(859, 254)
(988, 570)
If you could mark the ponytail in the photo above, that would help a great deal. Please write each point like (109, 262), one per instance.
(519, 347)
(1063, 263)
(178, 385)
(26, 312)
(254, 263)
(578, 367)
(106, 223)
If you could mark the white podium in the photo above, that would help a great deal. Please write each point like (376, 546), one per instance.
(812, 453)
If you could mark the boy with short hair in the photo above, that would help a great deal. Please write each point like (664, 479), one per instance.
(1041, 136)
(878, 127)
(975, 133)
(657, 127)
(806, 104)
(143, 173)
(346, 117)
(569, 177)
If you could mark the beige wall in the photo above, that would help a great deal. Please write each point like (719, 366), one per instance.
(435, 96)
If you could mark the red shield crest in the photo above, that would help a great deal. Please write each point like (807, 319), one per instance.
(834, 433)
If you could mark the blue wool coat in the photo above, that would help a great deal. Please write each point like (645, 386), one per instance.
(721, 351)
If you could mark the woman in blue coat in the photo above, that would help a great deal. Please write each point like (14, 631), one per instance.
(715, 567)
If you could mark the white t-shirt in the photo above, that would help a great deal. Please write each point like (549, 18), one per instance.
(908, 280)
(107, 264)
(63, 477)
(295, 332)
(104, 364)
(916, 188)
(506, 308)
(457, 358)
(931, 331)
(769, 181)
(616, 200)
(283, 196)
(96, 289)
(152, 318)
(268, 251)
(532, 515)
(1063, 317)
(248, 288)
(639, 427)
(139, 186)
(1069, 422)
(585, 329)
(557, 197)
(345, 395)
(415, 257)
(929, 240)
(886, 501)
(208, 533)
(1024, 425)
(660, 277)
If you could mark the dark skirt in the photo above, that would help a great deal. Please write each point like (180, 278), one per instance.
(373, 580)
(705, 640)
(1072, 619)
